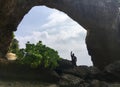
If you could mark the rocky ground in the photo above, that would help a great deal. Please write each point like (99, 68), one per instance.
(13, 83)
(66, 75)
(84, 76)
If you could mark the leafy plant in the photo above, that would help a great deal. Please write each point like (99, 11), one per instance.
(14, 46)
(37, 55)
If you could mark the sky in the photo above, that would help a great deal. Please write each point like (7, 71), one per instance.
(56, 30)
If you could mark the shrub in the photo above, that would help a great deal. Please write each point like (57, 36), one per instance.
(14, 46)
(37, 55)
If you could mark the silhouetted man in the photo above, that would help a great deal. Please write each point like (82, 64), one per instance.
(73, 58)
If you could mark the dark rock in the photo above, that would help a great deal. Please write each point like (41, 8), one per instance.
(91, 76)
(95, 73)
(80, 76)
(97, 83)
(11, 14)
(86, 73)
(112, 71)
(64, 64)
(10, 70)
(114, 85)
(68, 80)
(81, 71)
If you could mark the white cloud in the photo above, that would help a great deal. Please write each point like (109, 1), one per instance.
(55, 18)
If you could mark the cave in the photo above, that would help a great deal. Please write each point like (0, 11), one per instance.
(100, 18)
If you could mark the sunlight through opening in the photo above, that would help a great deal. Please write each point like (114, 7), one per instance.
(56, 30)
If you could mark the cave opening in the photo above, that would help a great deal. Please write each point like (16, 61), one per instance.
(56, 30)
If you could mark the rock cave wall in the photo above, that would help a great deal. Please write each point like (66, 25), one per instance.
(11, 14)
(101, 19)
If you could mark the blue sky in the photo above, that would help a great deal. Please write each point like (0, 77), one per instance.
(56, 30)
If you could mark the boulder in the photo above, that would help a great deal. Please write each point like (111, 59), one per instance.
(112, 71)
(68, 80)
(97, 83)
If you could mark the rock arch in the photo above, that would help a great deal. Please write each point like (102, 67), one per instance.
(100, 18)
(59, 35)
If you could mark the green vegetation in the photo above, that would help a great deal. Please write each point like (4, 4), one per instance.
(36, 55)
(14, 47)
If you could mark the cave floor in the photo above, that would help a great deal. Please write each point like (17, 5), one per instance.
(13, 83)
